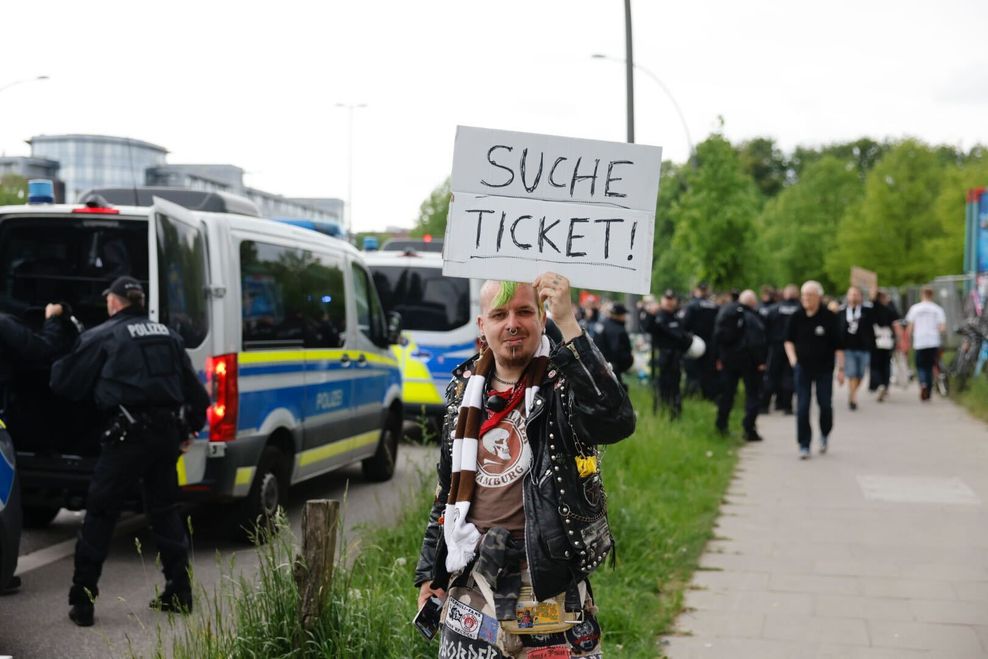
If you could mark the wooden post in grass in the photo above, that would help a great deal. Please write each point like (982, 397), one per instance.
(314, 566)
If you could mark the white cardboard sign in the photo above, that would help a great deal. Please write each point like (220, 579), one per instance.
(524, 204)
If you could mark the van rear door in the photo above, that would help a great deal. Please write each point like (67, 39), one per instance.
(178, 297)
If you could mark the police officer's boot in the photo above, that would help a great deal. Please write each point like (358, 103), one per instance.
(175, 598)
(81, 600)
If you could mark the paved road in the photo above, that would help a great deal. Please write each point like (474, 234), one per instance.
(34, 622)
(877, 549)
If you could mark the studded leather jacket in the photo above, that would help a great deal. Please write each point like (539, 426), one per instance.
(579, 406)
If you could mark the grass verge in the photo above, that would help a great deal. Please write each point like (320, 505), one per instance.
(975, 397)
(664, 488)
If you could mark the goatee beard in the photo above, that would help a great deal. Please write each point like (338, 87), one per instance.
(514, 359)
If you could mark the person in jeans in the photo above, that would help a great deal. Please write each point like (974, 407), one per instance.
(857, 320)
(813, 344)
(925, 322)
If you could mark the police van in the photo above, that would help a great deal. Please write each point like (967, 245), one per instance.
(439, 320)
(282, 323)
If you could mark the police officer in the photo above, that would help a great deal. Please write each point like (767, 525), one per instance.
(21, 348)
(699, 316)
(659, 319)
(141, 379)
(612, 340)
(778, 380)
(741, 348)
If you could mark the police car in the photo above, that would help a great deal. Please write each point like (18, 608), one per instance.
(438, 317)
(282, 323)
(10, 512)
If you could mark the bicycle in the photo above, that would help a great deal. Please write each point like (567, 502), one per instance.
(965, 363)
(941, 377)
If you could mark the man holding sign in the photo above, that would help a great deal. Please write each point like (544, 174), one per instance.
(520, 520)
(520, 515)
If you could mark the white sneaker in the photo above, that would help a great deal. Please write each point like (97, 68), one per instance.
(823, 445)
(804, 453)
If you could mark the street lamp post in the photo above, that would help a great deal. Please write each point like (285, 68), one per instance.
(21, 81)
(665, 90)
(350, 107)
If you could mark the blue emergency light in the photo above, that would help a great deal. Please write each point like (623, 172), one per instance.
(40, 191)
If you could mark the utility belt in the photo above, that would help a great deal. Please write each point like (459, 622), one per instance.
(130, 423)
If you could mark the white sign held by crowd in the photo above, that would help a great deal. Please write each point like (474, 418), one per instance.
(524, 204)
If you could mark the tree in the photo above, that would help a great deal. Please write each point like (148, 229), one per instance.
(892, 230)
(714, 218)
(668, 268)
(765, 163)
(432, 213)
(13, 189)
(800, 225)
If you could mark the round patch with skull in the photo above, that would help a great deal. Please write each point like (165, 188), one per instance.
(503, 454)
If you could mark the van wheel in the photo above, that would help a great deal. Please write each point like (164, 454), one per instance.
(38, 517)
(381, 466)
(267, 493)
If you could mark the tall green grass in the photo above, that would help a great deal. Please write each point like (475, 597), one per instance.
(664, 487)
(975, 396)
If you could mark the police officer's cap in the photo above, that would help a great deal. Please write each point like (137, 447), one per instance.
(669, 293)
(619, 310)
(123, 285)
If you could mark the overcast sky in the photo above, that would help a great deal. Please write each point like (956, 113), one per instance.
(256, 84)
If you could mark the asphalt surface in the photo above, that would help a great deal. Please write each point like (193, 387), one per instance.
(34, 622)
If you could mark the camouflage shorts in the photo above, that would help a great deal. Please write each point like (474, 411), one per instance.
(470, 630)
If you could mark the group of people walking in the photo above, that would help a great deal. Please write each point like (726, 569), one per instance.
(781, 347)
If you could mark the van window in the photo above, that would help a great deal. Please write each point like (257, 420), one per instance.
(370, 316)
(290, 297)
(182, 302)
(62, 259)
(425, 298)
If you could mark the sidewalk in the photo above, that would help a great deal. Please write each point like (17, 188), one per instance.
(877, 549)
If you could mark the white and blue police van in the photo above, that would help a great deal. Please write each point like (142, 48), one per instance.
(283, 324)
(439, 317)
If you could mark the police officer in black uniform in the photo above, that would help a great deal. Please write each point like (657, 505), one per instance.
(741, 349)
(659, 319)
(699, 316)
(141, 379)
(778, 380)
(612, 340)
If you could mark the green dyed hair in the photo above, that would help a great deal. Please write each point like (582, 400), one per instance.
(506, 291)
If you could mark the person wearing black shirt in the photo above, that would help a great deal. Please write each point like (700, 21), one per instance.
(813, 345)
(741, 348)
(857, 320)
(778, 373)
(668, 336)
(887, 332)
(699, 316)
(139, 376)
(612, 340)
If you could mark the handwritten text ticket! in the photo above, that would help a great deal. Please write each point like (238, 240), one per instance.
(524, 204)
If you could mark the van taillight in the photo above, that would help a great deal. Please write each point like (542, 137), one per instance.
(221, 378)
(97, 210)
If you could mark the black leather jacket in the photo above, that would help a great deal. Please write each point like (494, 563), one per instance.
(580, 405)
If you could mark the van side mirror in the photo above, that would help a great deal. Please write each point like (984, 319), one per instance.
(394, 327)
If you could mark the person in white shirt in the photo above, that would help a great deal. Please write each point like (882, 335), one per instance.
(925, 323)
